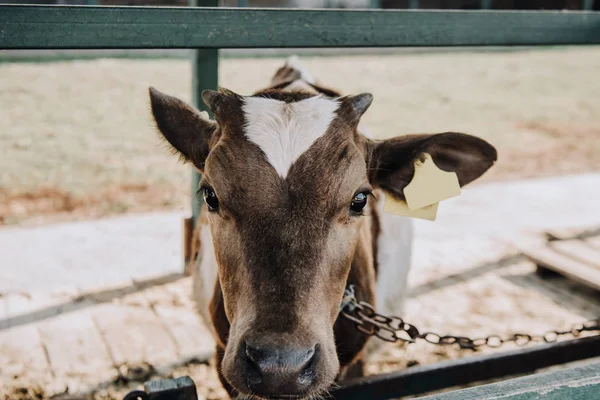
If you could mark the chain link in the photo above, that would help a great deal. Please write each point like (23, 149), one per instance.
(395, 329)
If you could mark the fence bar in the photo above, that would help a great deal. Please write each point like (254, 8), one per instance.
(588, 5)
(205, 75)
(413, 4)
(79, 27)
(573, 383)
(418, 380)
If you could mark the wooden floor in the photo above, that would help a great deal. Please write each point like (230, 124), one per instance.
(95, 339)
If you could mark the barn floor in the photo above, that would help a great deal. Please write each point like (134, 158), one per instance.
(98, 307)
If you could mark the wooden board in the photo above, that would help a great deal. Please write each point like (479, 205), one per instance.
(193, 339)
(24, 308)
(593, 241)
(573, 233)
(4, 312)
(64, 27)
(548, 257)
(135, 335)
(22, 354)
(78, 356)
(578, 250)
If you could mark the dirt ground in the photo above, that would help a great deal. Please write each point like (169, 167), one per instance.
(77, 139)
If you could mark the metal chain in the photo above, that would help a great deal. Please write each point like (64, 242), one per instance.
(395, 329)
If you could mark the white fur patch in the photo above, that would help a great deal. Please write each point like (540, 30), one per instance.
(394, 254)
(206, 273)
(284, 131)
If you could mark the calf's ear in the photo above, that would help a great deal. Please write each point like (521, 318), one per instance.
(391, 162)
(186, 129)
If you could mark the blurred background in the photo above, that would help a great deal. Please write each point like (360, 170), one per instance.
(92, 300)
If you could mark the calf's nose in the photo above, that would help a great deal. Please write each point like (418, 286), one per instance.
(280, 371)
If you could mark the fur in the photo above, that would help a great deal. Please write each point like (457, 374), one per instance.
(284, 131)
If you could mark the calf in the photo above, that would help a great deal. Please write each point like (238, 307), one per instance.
(293, 214)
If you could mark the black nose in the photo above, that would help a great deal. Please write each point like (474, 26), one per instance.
(280, 371)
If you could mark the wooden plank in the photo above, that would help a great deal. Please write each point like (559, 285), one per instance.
(546, 257)
(578, 250)
(573, 383)
(24, 308)
(135, 335)
(76, 352)
(23, 356)
(573, 233)
(573, 296)
(193, 339)
(65, 27)
(4, 315)
(593, 241)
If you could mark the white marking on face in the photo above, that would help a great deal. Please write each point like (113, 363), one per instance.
(394, 255)
(284, 131)
(206, 273)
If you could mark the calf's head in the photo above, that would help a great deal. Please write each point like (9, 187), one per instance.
(286, 179)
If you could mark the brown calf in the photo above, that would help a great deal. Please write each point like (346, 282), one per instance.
(291, 218)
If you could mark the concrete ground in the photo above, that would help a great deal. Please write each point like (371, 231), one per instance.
(100, 306)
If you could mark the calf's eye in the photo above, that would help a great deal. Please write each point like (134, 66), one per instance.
(359, 202)
(211, 200)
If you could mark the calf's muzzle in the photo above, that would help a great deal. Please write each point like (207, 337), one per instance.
(279, 371)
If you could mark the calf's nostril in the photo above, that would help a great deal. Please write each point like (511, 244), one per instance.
(254, 355)
(253, 375)
(308, 374)
(280, 371)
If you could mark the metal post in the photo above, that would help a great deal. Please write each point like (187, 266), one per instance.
(413, 4)
(486, 4)
(588, 5)
(205, 75)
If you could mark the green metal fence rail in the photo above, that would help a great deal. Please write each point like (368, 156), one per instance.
(85, 27)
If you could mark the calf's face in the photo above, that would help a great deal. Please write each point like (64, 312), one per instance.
(286, 179)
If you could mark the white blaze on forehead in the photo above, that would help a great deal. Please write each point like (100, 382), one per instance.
(284, 131)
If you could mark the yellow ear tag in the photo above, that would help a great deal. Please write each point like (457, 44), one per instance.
(430, 185)
(398, 207)
(204, 115)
